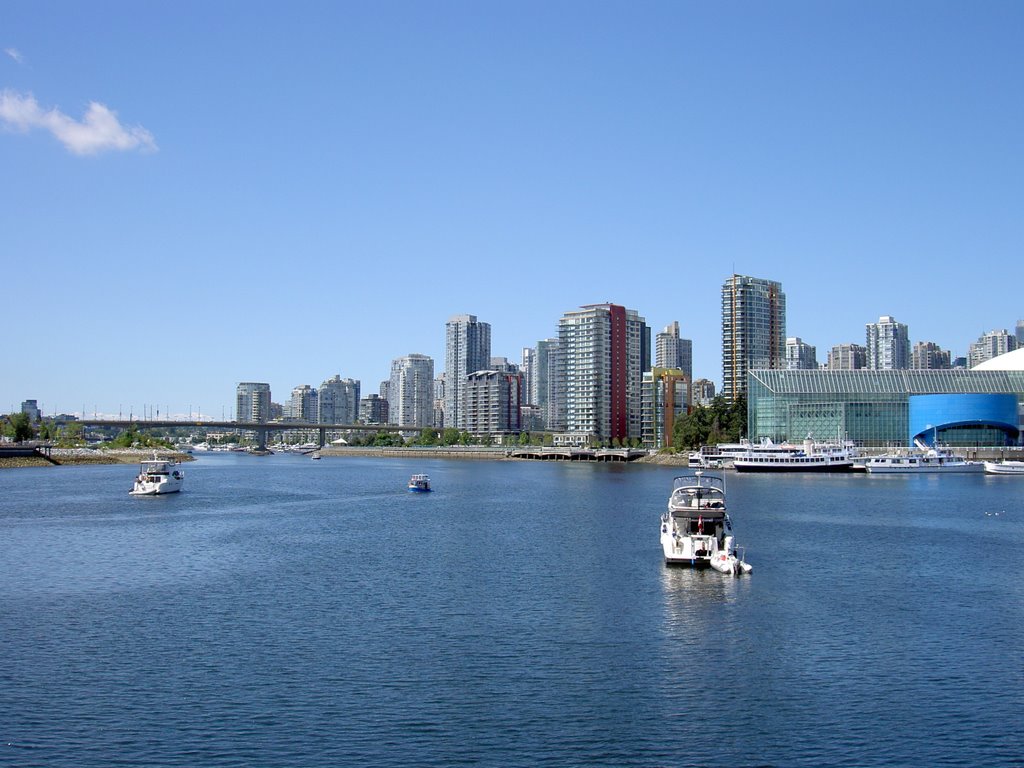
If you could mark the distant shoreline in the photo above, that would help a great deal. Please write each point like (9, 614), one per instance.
(80, 456)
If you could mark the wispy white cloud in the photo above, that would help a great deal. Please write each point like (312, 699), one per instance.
(98, 131)
(15, 54)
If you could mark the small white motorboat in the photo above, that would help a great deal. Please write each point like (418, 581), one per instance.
(1006, 467)
(156, 477)
(696, 531)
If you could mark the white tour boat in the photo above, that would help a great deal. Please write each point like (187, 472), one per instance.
(696, 530)
(419, 484)
(156, 477)
(813, 457)
(924, 459)
(1006, 467)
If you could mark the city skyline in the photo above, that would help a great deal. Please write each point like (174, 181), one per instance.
(514, 162)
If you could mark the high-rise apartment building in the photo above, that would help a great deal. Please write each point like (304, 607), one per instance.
(702, 392)
(753, 330)
(602, 363)
(989, 345)
(373, 409)
(664, 398)
(1020, 334)
(929, 355)
(847, 357)
(888, 344)
(467, 349)
(302, 406)
(252, 402)
(550, 385)
(800, 354)
(339, 401)
(492, 402)
(672, 351)
(528, 368)
(411, 391)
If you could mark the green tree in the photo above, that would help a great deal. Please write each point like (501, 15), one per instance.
(19, 427)
(428, 437)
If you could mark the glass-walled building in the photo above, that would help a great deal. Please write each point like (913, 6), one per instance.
(887, 407)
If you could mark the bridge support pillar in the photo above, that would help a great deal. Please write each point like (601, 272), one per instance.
(323, 436)
(261, 438)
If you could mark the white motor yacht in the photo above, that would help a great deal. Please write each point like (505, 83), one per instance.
(157, 476)
(1007, 467)
(696, 530)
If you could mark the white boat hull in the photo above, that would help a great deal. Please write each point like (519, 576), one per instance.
(924, 469)
(155, 489)
(1004, 467)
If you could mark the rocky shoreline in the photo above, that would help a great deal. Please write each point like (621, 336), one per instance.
(79, 456)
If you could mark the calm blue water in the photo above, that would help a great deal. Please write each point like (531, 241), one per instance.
(287, 612)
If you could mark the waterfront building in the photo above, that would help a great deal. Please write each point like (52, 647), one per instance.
(439, 401)
(528, 367)
(467, 349)
(702, 392)
(958, 362)
(252, 402)
(550, 385)
(531, 418)
(602, 357)
(31, 409)
(1020, 334)
(339, 401)
(990, 345)
(753, 330)
(373, 409)
(887, 407)
(800, 355)
(665, 396)
(411, 390)
(492, 403)
(672, 351)
(303, 404)
(847, 357)
(930, 356)
(888, 344)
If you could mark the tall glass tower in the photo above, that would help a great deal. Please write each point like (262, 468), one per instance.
(753, 330)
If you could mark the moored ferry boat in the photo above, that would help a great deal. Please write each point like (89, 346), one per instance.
(157, 477)
(1007, 467)
(924, 459)
(696, 530)
(813, 457)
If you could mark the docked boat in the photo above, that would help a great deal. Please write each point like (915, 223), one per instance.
(696, 530)
(156, 477)
(924, 459)
(1007, 467)
(812, 457)
(419, 484)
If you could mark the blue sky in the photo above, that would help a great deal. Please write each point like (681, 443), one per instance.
(196, 194)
